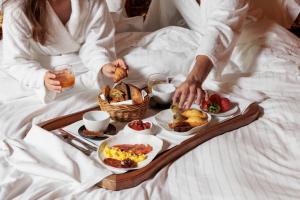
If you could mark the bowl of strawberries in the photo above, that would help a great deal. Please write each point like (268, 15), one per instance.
(217, 105)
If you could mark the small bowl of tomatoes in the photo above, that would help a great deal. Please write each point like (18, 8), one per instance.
(139, 126)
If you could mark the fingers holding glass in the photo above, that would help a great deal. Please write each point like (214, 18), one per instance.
(51, 83)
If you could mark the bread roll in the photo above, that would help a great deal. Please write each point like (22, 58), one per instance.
(136, 94)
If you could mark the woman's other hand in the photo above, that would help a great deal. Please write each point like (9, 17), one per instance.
(109, 69)
(190, 90)
(52, 84)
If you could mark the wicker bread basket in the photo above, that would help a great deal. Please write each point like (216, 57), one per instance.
(124, 113)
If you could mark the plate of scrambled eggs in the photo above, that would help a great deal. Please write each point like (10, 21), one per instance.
(127, 151)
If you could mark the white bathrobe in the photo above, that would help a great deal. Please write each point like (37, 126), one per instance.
(219, 23)
(87, 40)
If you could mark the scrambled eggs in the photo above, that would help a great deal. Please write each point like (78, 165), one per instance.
(116, 153)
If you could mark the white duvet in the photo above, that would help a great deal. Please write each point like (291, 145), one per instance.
(259, 161)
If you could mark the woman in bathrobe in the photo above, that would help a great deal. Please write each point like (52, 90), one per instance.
(40, 34)
(218, 24)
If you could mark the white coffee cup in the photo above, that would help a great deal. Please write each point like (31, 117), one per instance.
(96, 121)
(163, 92)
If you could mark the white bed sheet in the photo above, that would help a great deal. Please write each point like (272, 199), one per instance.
(259, 161)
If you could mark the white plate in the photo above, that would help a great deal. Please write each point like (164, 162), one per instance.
(164, 117)
(126, 138)
(230, 112)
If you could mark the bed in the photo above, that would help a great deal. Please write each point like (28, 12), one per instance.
(259, 161)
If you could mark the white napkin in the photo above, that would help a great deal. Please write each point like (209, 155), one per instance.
(45, 155)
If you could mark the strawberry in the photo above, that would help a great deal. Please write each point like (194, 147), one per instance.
(204, 105)
(215, 98)
(225, 104)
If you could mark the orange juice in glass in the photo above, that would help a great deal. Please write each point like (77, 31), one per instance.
(65, 76)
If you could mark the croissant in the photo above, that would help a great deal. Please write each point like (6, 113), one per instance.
(120, 74)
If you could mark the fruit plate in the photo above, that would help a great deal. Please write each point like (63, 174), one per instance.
(126, 138)
(234, 108)
(163, 118)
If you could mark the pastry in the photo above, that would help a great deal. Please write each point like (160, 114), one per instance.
(195, 121)
(188, 119)
(180, 126)
(116, 95)
(175, 109)
(136, 94)
(177, 117)
(105, 90)
(125, 89)
(120, 74)
(194, 113)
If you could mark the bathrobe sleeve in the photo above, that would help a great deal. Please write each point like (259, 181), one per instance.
(17, 60)
(221, 25)
(98, 48)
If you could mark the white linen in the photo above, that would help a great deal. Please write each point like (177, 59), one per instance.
(89, 34)
(258, 161)
(44, 155)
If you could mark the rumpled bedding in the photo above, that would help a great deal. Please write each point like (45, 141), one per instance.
(259, 161)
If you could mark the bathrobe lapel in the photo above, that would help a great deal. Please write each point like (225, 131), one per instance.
(78, 20)
(62, 39)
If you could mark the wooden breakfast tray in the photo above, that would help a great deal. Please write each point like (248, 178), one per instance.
(133, 178)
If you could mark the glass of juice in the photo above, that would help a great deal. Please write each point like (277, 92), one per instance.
(156, 78)
(65, 76)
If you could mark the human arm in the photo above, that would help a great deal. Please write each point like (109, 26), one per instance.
(191, 89)
(18, 60)
(221, 25)
(98, 50)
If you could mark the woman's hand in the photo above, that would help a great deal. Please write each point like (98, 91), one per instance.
(52, 84)
(190, 90)
(109, 69)
(187, 93)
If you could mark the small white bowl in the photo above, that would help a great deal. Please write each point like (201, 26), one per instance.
(96, 121)
(148, 131)
(163, 93)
